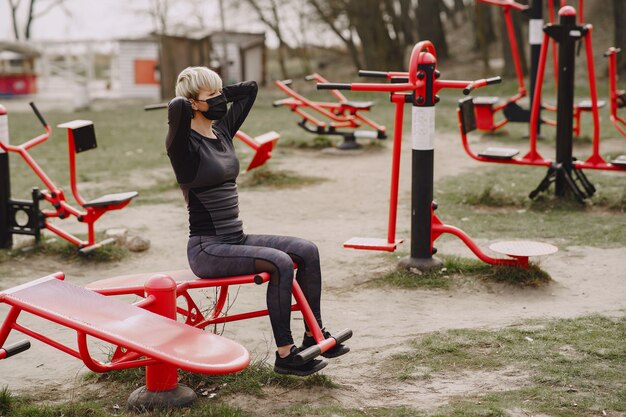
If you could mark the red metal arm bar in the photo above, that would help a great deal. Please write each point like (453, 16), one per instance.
(591, 73)
(97, 366)
(46, 340)
(310, 118)
(309, 103)
(391, 88)
(32, 163)
(246, 139)
(514, 50)
(507, 4)
(534, 111)
(369, 122)
(440, 228)
(399, 100)
(65, 235)
(317, 77)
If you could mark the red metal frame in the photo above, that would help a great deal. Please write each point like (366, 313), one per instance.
(261, 145)
(55, 195)
(618, 97)
(485, 113)
(423, 53)
(132, 351)
(193, 316)
(342, 114)
(532, 157)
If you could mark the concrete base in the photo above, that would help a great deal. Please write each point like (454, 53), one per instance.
(421, 264)
(143, 400)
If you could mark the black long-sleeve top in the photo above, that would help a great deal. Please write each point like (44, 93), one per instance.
(206, 169)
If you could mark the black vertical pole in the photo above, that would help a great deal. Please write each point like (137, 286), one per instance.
(535, 38)
(422, 167)
(6, 239)
(567, 33)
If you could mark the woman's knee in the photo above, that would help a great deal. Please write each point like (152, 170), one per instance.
(308, 252)
(279, 266)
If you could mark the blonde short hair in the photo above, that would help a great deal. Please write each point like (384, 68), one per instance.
(193, 79)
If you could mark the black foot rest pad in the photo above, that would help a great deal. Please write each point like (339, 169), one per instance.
(109, 199)
(499, 153)
(360, 105)
(620, 161)
(586, 104)
(314, 351)
(486, 100)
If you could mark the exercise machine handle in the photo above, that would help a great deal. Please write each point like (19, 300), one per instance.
(373, 74)
(481, 83)
(14, 349)
(157, 106)
(612, 50)
(38, 114)
(334, 86)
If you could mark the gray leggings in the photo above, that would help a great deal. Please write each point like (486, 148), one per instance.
(241, 254)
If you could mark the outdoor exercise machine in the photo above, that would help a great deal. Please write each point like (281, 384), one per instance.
(618, 97)
(345, 116)
(486, 108)
(146, 333)
(262, 145)
(25, 217)
(419, 87)
(565, 172)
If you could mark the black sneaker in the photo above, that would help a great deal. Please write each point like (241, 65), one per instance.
(337, 350)
(287, 366)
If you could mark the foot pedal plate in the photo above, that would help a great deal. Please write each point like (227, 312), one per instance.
(523, 248)
(370, 243)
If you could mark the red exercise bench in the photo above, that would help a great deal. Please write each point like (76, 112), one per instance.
(186, 280)
(142, 337)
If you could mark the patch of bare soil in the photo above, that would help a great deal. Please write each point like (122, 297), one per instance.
(353, 202)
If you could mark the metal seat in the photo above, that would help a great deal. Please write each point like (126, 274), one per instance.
(486, 101)
(111, 199)
(499, 153)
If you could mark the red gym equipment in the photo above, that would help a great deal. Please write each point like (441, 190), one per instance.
(262, 145)
(618, 97)
(147, 333)
(344, 115)
(487, 107)
(81, 137)
(419, 87)
(564, 171)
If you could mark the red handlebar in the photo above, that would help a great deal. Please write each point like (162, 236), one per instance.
(506, 3)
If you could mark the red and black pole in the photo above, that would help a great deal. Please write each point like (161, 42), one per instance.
(422, 165)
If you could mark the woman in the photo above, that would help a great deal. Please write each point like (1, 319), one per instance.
(200, 147)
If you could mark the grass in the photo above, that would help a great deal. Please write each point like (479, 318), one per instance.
(575, 366)
(250, 381)
(454, 269)
(493, 203)
(61, 249)
(277, 179)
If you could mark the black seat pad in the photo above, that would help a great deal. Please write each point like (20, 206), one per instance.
(110, 199)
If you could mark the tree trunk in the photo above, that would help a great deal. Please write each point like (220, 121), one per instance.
(482, 26)
(619, 13)
(367, 17)
(328, 19)
(430, 26)
(16, 31)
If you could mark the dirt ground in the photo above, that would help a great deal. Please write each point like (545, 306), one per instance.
(353, 202)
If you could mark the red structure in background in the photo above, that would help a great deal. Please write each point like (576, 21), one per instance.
(17, 73)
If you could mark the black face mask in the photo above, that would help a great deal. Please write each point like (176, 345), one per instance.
(217, 108)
